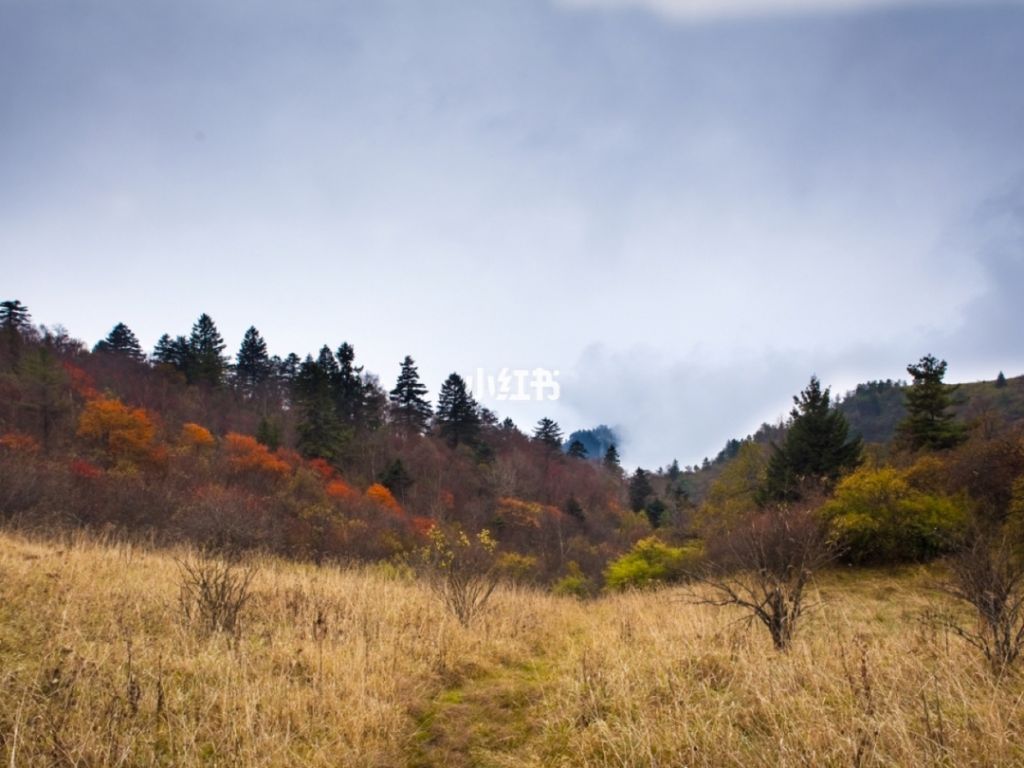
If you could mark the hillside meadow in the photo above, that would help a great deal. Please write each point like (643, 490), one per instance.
(362, 667)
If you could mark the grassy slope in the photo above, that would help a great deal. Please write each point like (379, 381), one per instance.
(97, 668)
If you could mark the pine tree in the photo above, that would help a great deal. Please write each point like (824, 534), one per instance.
(409, 408)
(252, 363)
(929, 424)
(206, 363)
(1000, 380)
(816, 451)
(321, 433)
(349, 391)
(548, 433)
(577, 450)
(611, 458)
(15, 321)
(121, 341)
(457, 416)
(172, 352)
(640, 490)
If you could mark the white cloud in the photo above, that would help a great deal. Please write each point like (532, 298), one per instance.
(701, 10)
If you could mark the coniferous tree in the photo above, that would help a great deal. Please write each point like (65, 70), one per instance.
(15, 321)
(1000, 380)
(14, 316)
(321, 432)
(548, 433)
(457, 417)
(253, 367)
(206, 362)
(640, 490)
(577, 450)
(929, 424)
(611, 458)
(816, 451)
(121, 341)
(409, 408)
(172, 352)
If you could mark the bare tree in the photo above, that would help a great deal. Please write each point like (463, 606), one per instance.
(987, 574)
(764, 566)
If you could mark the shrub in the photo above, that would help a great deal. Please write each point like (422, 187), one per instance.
(651, 562)
(574, 583)
(214, 593)
(461, 570)
(878, 517)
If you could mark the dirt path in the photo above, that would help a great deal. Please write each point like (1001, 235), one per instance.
(488, 720)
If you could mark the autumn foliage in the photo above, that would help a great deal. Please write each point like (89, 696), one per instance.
(246, 456)
(119, 432)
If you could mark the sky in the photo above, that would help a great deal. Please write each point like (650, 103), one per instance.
(684, 207)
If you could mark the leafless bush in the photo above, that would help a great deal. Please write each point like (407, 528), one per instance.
(764, 566)
(986, 574)
(214, 592)
(461, 570)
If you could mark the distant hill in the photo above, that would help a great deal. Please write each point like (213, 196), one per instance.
(596, 440)
(875, 408)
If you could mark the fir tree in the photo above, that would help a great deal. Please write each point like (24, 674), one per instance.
(14, 316)
(577, 450)
(929, 424)
(548, 433)
(172, 352)
(253, 367)
(816, 451)
(409, 408)
(611, 458)
(206, 363)
(457, 418)
(121, 341)
(640, 490)
(1000, 380)
(321, 433)
(15, 322)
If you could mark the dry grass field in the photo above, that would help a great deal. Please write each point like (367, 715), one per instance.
(362, 667)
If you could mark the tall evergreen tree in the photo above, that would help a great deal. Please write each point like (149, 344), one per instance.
(1000, 380)
(206, 362)
(929, 424)
(611, 458)
(458, 417)
(15, 321)
(817, 448)
(121, 341)
(409, 408)
(577, 450)
(640, 490)
(14, 316)
(549, 433)
(253, 367)
(349, 390)
(321, 432)
(173, 352)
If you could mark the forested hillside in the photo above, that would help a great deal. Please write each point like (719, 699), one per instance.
(315, 458)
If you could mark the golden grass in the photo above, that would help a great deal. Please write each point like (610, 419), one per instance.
(98, 667)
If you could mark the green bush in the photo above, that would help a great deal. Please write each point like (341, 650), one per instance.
(574, 583)
(879, 517)
(649, 563)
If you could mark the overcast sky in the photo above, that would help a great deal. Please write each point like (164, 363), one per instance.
(686, 207)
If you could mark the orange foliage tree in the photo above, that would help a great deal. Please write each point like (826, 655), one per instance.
(122, 433)
(196, 436)
(379, 494)
(247, 456)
